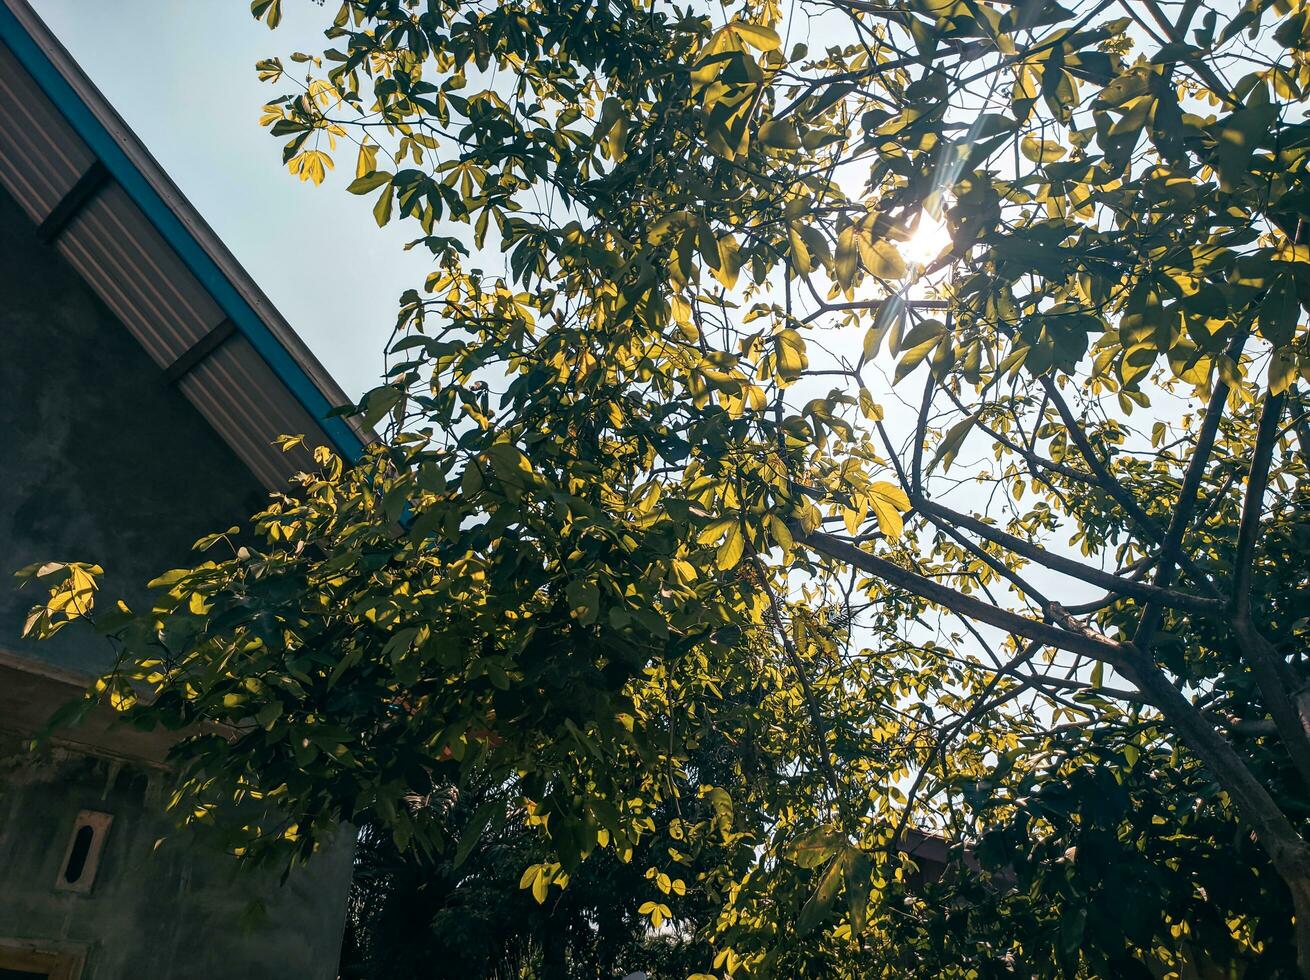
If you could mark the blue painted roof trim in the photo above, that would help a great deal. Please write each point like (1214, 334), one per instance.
(197, 260)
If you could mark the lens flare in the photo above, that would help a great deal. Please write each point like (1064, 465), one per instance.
(928, 241)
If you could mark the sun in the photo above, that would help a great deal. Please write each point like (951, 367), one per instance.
(927, 241)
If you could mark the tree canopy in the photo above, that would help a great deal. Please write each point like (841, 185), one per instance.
(821, 422)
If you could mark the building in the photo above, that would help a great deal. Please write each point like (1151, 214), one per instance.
(143, 379)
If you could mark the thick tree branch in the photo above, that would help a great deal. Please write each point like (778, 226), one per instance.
(1257, 482)
(1286, 849)
(955, 601)
(1187, 494)
(1067, 566)
(1267, 667)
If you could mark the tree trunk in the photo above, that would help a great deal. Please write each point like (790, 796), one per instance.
(1299, 886)
(554, 953)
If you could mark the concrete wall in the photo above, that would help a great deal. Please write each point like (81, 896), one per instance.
(179, 911)
(102, 460)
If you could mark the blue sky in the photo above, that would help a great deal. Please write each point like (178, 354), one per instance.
(195, 102)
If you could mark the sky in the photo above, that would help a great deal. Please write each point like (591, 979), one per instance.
(195, 103)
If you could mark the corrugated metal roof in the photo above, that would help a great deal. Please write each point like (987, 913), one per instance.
(142, 247)
(118, 251)
(40, 155)
(236, 366)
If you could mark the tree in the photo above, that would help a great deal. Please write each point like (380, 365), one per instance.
(644, 488)
(451, 914)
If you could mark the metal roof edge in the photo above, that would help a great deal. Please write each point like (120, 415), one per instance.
(196, 244)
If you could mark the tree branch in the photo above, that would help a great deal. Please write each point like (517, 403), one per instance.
(955, 601)
(1187, 494)
(1108, 483)
(1067, 566)
(1257, 482)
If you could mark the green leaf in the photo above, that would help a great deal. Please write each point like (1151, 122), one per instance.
(510, 465)
(1279, 312)
(820, 904)
(269, 11)
(380, 402)
(473, 830)
(382, 209)
(912, 359)
(369, 182)
(584, 600)
(814, 848)
(921, 333)
(268, 714)
(780, 134)
(721, 807)
(858, 870)
(952, 441)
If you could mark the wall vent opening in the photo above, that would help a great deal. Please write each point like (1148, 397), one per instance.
(77, 855)
(77, 872)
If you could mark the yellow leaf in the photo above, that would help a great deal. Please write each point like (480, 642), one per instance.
(729, 266)
(881, 258)
(311, 165)
(852, 518)
(683, 571)
(711, 532)
(367, 161)
(792, 359)
(869, 408)
(800, 255)
(757, 35)
(781, 533)
(730, 552)
(848, 254)
(1041, 151)
(1282, 371)
(889, 521)
(781, 135)
(889, 502)
(892, 493)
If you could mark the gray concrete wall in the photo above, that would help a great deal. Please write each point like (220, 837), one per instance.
(180, 911)
(101, 460)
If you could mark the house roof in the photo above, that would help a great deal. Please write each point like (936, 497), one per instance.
(100, 198)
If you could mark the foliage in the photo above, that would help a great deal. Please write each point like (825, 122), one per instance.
(651, 488)
(452, 913)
